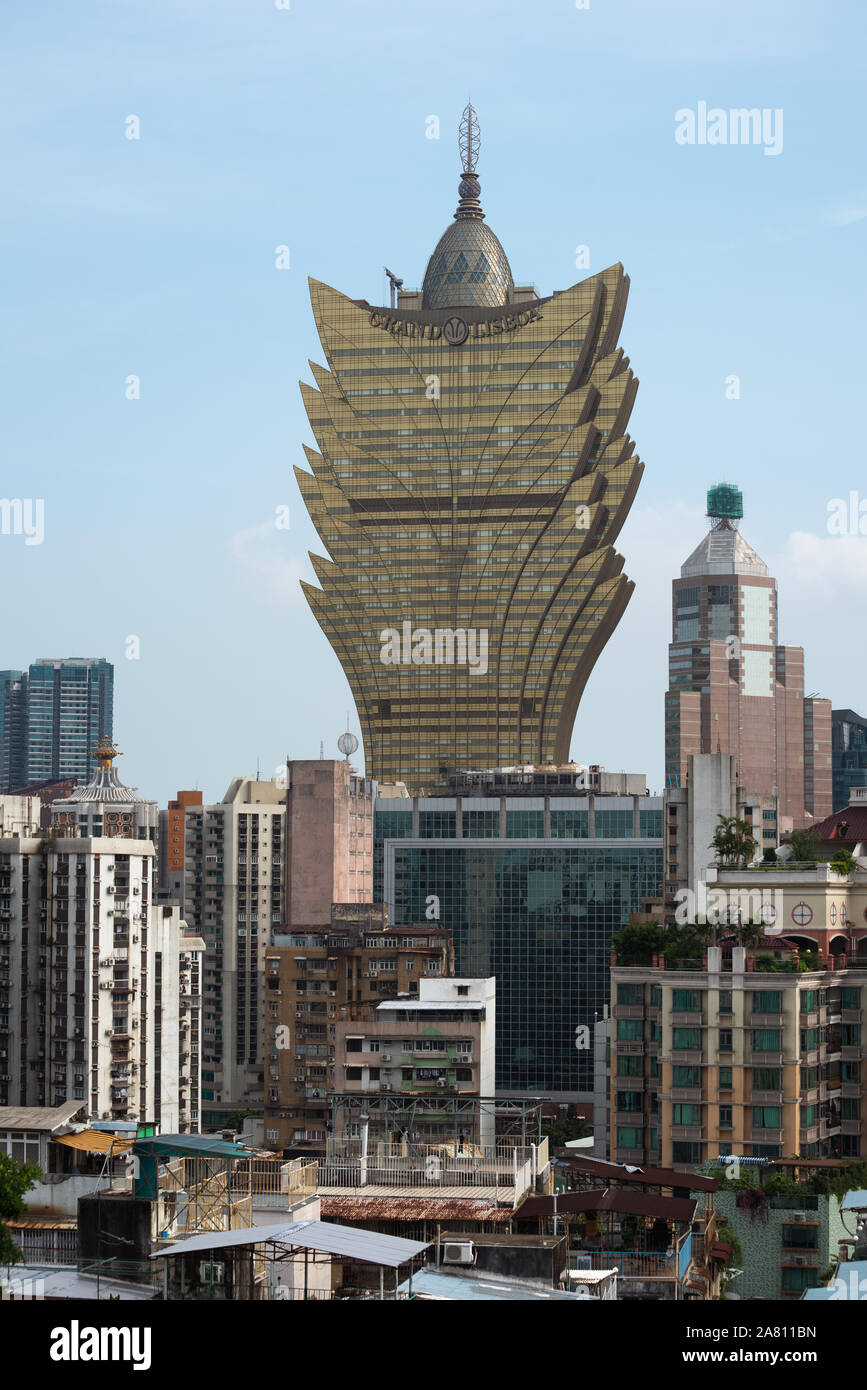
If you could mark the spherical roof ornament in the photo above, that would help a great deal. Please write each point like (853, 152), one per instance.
(347, 743)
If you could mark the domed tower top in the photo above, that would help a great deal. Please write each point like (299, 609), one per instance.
(469, 267)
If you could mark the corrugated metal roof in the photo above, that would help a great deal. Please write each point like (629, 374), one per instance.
(190, 1145)
(308, 1235)
(413, 1209)
(38, 1117)
(616, 1199)
(42, 1223)
(433, 1284)
(648, 1177)
(93, 1141)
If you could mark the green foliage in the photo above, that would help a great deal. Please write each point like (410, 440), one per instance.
(843, 862)
(15, 1180)
(805, 846)
(734, 842)
(568, 1126)
(725, 1233)
(770, 856)
(638, 943)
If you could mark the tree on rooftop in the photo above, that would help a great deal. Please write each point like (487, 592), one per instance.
(15, 1180)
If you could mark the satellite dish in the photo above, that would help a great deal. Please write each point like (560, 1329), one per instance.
(347, 743)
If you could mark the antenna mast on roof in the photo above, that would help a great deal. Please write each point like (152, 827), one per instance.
(396, 285)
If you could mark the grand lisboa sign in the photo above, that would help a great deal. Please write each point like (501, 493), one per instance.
(455, 331)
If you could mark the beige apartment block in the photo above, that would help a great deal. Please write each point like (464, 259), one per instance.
(729, 1058)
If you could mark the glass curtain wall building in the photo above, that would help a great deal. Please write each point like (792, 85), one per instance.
(535, 905)
(53, 716)
(471, 475)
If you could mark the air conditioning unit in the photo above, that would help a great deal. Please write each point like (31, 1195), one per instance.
(385, 1057)
(109, 1032)
(5, 1077)
(441, 1081)
(582, 1261)
(385, 1087)
(135, 1023)
(463, 1254)
(799, 1217)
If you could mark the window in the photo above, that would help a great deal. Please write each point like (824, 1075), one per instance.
(629, 1066)
(766, 1039)
(682, 1152)
(766, 1117)
(688, 1000)
(628, 1138)
(725, 1001)
(630, 994)
(686, 1076)
(630, 1100)
(686, 1114)
(851, 1034)
(725, 1078)
(353, 1073)
(463, 989)
(767, 1001)
(796, 1280)
(851, 997)
(725, 1039)
(725, 1117)
(767, 1079)
(800, 1237)
(686, 1039)
(629, 1029)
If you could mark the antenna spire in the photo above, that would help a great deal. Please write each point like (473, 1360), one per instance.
(469, 188)
(469, 139)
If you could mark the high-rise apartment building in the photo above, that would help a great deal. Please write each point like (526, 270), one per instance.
(473, 470)
(311, 974)
(13, 761)
(96, 984)
(51, 718)
(848, 754)
(229, 885)
(726, 1057)
(732, 687)
(329, 839)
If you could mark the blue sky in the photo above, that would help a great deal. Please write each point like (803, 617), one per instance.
(305, 127)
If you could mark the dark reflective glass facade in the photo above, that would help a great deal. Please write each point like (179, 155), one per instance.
(540, 918)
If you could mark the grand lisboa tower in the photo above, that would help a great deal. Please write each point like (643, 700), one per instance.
(472, 474)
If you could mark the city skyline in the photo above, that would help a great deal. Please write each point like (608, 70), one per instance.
(726, 259)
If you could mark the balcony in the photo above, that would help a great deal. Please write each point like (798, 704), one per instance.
(691, 1057)
(694, 1132)
(686, 1093)
(851, 1053)
(682, 1019)
(765, 1059)
(766, 1097)
(766, 1136)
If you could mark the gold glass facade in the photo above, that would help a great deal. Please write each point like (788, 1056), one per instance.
(473, 471)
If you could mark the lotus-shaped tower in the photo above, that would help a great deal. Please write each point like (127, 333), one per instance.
(472, 474)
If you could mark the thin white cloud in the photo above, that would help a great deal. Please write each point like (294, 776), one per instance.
(269, 556)
(847, 213)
